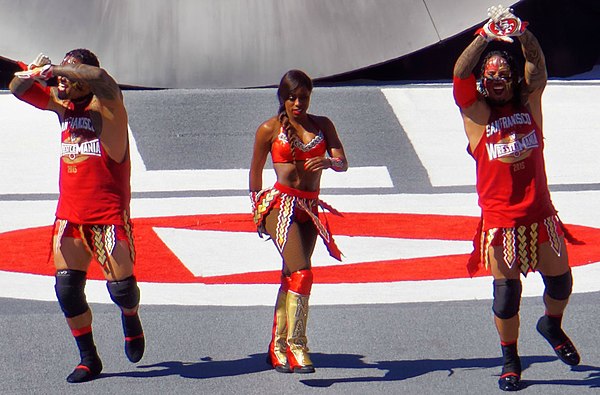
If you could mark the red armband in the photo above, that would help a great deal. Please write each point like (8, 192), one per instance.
(465, 91)
(37, 96)
(22, 65)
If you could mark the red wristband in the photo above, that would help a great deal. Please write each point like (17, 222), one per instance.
(37, 96)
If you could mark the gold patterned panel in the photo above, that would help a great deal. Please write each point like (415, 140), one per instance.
(278, 346)
(486, 241)
(297, 312)
(553, 237)
(522, 248)
(98, 240)
(129, 232)
(110, 239)
(509, 246)
(62, 224)
(286, 210)
(533, 245)
(265, 203)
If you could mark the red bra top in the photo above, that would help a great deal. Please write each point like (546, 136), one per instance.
(282, 153)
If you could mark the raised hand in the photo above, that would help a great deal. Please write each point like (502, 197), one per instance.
(41, 73)
(492, 32)
(503, 24)
(40, 60)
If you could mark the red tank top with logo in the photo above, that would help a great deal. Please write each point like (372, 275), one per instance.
(94, 189)
(511, 175)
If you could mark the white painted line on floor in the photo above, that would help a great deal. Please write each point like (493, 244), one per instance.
(434, 126)
(34, 287)
(211, 259)
(30, 165)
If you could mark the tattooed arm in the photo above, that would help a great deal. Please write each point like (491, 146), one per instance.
(101, 83)
(468, 59)
(535, 63)
(536, 75)
(107, 108)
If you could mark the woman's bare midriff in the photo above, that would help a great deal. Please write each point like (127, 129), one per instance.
(294, 176)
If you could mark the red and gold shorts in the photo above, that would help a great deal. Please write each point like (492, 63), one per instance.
(100, 240)
(294, 205)
(520, 245)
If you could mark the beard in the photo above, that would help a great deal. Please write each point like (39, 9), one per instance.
(497, 102)
(62, 94)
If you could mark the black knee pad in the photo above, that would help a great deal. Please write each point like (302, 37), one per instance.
(559, 287)
(507, 298)
(124, 293)
(69, 288)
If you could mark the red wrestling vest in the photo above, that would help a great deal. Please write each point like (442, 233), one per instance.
(94, 189)
(511, 175)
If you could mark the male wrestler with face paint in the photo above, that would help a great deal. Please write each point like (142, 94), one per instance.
(519, 229)
(92, 217)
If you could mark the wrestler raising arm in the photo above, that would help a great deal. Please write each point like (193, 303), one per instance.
(535, 75)
(519, 229)
(78, 81)
(93, 212)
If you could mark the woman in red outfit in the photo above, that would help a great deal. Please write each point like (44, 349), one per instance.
(302, 145)
(519, 231)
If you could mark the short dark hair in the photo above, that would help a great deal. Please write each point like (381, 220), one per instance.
(85, 56)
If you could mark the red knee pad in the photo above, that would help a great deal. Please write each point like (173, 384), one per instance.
(301, 282)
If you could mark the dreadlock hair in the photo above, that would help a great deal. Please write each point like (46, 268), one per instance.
(514, 70)
(85, 56)
(290, 81)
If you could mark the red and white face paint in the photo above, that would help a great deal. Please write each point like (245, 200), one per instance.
(497, 80)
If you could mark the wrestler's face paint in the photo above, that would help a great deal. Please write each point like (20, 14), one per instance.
(68, 90)
(296, 105)
(497, 80)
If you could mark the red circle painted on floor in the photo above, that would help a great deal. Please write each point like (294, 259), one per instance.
(28, 250)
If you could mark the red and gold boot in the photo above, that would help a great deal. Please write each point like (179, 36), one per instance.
(297, 317)
(277, 348)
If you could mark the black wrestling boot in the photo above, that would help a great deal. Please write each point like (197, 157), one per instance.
(90, 366)
(135, 343)
(550, 328)
(510, 379)
(85, 371)
(510, 382)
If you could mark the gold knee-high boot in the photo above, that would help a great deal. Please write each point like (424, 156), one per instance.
(297, 317)
(277, 348)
